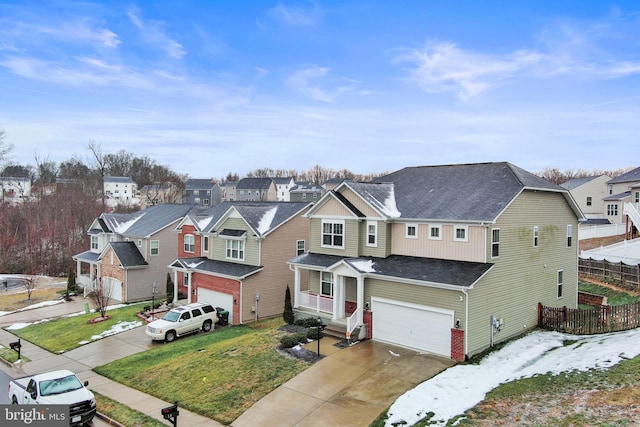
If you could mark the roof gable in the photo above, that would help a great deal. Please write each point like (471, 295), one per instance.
(262, 217)
(147, 221)
(127, 253)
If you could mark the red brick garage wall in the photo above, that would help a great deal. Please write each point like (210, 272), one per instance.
(218, 284)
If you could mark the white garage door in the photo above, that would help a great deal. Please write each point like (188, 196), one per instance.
(412, 325)
(113, 287)
(217, 299)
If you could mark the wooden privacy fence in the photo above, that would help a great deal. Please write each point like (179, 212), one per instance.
(600, 320)
(624, 275)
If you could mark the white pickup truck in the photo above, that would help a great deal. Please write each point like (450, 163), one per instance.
(55, 388)
(183, 320)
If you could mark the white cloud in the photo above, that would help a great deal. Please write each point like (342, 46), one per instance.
(152, 33)
(296, 16)
(307, 81)
(443, 67)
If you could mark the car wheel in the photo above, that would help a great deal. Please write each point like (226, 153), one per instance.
(206, 326)
(170, 336)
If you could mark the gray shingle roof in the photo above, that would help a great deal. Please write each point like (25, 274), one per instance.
(428, 270)
(228, 269)
(631, 176)
(254, 183)
(577, 182)
(145, 222)
(467, 192)
(128, 254)
(198, 184)
(87, 256)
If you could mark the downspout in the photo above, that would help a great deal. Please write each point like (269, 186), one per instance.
(466, 321)
(240, 304)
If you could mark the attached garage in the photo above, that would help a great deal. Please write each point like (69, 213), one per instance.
(217, 299)
(411, 325)
(114, 287)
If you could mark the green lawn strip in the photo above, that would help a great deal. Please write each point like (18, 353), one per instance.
(613, 297)
(9, 355)
(124, 414)
(66, 333)
(218, 375)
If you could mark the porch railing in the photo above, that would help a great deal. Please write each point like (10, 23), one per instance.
(315, 302)
(352, 322)
(83, 280)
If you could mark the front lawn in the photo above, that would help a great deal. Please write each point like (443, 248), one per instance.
(67, 333)
(218, 375)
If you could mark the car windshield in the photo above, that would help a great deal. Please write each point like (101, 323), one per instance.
(60, 385)
(171, 316)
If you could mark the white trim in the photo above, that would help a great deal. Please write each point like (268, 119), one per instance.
(455, 233)
(436, 226)
(406, 231)
(343, 235)
(375, 234)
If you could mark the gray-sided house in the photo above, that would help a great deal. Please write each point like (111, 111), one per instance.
(444, 259)
(203, 192)
(130, 252)
(235, 256)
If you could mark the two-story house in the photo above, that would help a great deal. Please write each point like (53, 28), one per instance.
(120, 190)
(15, 188)
(228, 190)
(622, 205)
(130, 252)
(203, 192)
(283, 187)
(444, 259)
(256, 189)
(589, 193)
(305, 192)
(235, 256)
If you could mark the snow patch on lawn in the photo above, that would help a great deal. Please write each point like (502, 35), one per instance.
(461, 387)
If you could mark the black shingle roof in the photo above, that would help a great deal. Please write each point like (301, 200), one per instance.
(128, 254)
(228, 269)
(428, 270)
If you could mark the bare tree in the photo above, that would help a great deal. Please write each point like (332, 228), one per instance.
(101, 295)
(5, 149)
(30, 283)
(100, 165)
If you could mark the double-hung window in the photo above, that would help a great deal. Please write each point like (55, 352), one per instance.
(536, 236)
(95, 243)
(495, 243)
(435, 232)
(235, 249)
(326, 284)
(333, 234)
(154, 247)
(189, 243)
(569, 235)
(299, 247)
(411, 231)
(560, 281)
(372, 233)
(205, 243)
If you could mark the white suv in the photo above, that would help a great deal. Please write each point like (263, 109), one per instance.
(183, 320)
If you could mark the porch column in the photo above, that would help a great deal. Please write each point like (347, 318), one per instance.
(360, 299)
(175, 286)
(296, 287)
(188, 275)
(336, 297)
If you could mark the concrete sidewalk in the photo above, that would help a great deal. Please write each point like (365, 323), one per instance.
(83, 359)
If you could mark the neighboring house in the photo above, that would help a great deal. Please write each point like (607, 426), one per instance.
(589, 193)
(256, 189)
(623, 202)
(235, 256)
(228, 190)
(15, 188)
(130, 252)
(332, 183)
(67, 185)
(158, 193)
(283, 187)
(120, 190)
(203, 192)
(305, 192)
(450, 269)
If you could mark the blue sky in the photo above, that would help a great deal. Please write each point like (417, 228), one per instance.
(211, 87)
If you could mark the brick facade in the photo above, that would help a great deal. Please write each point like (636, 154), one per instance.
(457, 345)
(218, 284)
(110, 267)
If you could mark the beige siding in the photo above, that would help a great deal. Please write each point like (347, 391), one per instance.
(446, 248)
(351, 239)
(333, 208)
(251, 245)
(271, 283)
(359, 203)
(422, 295)
(380, 250)
(523, 275)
